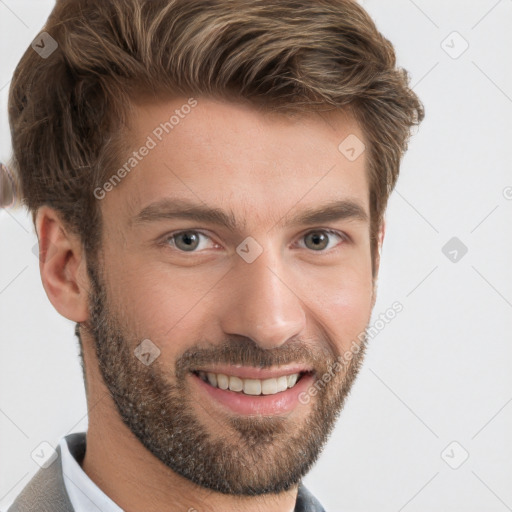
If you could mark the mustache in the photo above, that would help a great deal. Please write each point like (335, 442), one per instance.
(240, 350)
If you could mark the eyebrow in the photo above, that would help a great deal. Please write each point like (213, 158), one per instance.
(169, 208)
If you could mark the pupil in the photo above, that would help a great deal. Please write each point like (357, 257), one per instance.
(189, 239)
(318, 238)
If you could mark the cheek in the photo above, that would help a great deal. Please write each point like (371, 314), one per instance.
(171, 309)
(139, 297)
(342, 304)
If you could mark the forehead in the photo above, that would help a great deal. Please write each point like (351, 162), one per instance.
(260, 163)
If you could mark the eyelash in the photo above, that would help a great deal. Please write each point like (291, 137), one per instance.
(344, 238)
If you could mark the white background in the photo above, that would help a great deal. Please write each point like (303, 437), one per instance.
(438, 373)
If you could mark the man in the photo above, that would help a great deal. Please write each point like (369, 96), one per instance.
(208, 182)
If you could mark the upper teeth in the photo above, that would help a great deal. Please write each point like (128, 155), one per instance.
(250, 386)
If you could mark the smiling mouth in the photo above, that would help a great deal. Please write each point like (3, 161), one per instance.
(253, 387)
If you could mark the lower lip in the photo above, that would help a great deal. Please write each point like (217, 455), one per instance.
(240, 403)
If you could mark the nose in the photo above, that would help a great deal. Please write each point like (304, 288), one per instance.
(263, 303)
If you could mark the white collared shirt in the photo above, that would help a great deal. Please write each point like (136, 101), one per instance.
(84, 494)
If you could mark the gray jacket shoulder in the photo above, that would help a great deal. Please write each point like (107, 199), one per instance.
(46, 491)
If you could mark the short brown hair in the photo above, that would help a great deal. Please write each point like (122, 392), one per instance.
(66, 111)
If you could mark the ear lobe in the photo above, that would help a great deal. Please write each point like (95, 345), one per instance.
(62, 266)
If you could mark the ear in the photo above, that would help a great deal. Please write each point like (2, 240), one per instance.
(380, 236)
(382, 232)
(62, 265)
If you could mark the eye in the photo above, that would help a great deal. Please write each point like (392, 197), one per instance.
(190, 240)
(186, 241)
(319, 240)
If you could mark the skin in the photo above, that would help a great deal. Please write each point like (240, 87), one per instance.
(294, 303)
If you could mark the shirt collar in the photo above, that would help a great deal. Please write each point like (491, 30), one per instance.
(84, 494)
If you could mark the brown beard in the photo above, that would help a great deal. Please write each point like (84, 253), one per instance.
(236, 455)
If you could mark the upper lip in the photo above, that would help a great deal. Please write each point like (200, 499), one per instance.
(248, 372)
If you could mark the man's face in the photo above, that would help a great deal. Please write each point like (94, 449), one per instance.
(271, 291)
